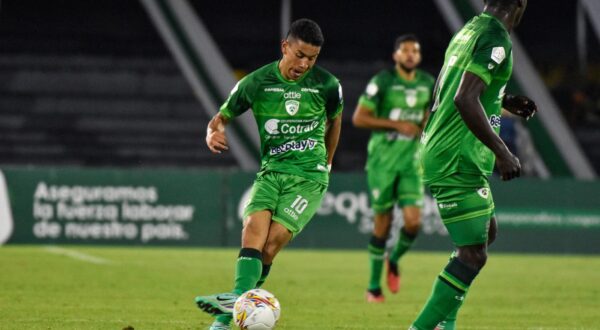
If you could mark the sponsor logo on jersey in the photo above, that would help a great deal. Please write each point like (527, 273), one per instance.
(490, 66)
(495, 121)
(292, 106)
(452, 60)
(447, 205)
(277, 126)
(498, 54)
(302, 145)
(274, 89)
(411, 97)
(309, 90)
(292, 95)
(464, 36)
(484, 193)
(272, 126)
(372, 89)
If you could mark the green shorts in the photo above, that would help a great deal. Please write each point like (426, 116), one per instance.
(466, 207)
(292, 200)
(388, 188)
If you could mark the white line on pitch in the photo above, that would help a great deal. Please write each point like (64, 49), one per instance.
(77, 255)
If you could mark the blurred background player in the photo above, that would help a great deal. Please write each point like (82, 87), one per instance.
(297, 107)
(394, 106)
(460, 144)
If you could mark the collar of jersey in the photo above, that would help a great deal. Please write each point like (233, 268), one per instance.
(494, 19)
(414, 81)
(282, 78)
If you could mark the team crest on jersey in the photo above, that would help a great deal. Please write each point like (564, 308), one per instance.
(292, 106)
(484, 193)
(411, 97)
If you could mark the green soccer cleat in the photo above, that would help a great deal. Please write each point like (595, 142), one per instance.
(218, 304)
(219, 326)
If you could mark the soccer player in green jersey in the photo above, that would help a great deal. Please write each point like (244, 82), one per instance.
(394, 105)
(460, 144)
(297, 107)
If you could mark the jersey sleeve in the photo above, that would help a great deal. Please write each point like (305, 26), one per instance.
(373, 94)
(335, 100)
(490, 53)
(240, 98)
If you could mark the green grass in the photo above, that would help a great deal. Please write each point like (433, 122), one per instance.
(152, 288)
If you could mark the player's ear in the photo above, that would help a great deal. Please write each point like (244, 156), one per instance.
(284, 45)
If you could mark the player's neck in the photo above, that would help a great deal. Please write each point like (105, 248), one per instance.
(406, 75)
(503, 16)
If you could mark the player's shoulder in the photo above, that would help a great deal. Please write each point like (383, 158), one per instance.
(322, 76)
(262, 72)
(384, 76)
(426, 76)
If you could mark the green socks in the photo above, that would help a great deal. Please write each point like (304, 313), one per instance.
(376, 251)
(248, 270)
(404, 243)
(247, 273)
(448, 293)
(263, 275)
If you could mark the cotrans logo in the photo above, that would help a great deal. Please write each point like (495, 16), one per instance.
(277, 126)
(292, 95)
(495, 121)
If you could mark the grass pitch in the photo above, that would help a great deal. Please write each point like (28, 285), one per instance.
(153, 288)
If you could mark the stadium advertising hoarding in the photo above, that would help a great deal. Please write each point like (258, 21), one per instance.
(203, 208)
(111, 207)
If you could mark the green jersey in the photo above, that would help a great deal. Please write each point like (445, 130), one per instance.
(389, 96)
(291, 117)
(482, 47)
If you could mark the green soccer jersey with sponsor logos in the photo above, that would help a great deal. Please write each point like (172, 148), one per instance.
(291, 117)
(482, 47)
(390, 96)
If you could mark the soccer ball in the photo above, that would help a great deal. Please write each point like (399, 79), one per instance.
(256, 309)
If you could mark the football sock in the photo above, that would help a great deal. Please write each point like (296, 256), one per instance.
(448, 293)
(376, 251)
(247, 270)
(404, 243)
(263, 275)
(450, 322)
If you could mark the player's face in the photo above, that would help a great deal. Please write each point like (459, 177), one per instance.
(408, 55)
(298, 58)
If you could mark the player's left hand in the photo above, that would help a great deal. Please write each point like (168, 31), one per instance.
(519, 105)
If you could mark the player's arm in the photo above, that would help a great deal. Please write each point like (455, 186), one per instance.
(332, 137)
(519, 105)
(364, 117)
(472, 112)
(216, 140)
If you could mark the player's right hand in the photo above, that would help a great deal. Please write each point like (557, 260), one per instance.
(408, 129)
(216, 141)
(508, 165)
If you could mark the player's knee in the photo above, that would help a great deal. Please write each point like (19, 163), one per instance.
(474, 256)
(412, 226)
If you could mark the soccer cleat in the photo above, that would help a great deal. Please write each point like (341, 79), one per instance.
(375, 296)
(393, 276)
(219, 326)
(440, 326)
(218, 304)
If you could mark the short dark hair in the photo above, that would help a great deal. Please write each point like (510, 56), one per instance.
(504, 4)
(404, 38)
(308, 31)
